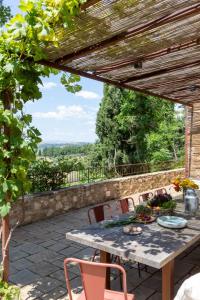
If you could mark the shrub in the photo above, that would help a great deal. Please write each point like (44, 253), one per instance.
(45, 176)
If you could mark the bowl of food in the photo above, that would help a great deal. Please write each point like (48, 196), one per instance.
(162, 205)
(144, 214)
(132, 230)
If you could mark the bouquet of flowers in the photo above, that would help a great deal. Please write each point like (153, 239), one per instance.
(182, 184)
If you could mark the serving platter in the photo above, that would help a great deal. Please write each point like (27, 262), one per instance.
(172, 222)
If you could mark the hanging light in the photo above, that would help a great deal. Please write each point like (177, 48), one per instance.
(138, 64)
(193, 88)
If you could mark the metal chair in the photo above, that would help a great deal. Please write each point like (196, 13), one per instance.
(93, 277)
(161, 191)
(145, 197)
(124, 204)
(99, 215)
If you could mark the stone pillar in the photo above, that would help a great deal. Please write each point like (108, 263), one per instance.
(194, 143)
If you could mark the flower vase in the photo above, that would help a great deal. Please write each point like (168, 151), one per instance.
(191, 201)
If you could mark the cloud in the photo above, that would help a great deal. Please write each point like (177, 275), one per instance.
(62, 112)
(87, 95)
(47, 85)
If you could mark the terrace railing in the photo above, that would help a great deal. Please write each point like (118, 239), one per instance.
(97, 173)
(62, 179)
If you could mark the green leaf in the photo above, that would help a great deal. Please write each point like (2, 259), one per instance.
(5, 209)
(5, 187)
(27, 119)
(9, 68)
(26, 6)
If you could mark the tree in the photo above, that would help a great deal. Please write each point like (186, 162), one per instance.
(5, 13)
(167, 142)
(21, 46)
(125, 123)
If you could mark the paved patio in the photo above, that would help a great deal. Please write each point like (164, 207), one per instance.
(38, 250)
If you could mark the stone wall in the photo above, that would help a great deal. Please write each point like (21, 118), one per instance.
(40, 206)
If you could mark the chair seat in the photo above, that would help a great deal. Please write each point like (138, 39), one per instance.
(110, 295)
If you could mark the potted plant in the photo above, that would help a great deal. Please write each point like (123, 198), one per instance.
(162, 204)
(190, 197)
(143, 213)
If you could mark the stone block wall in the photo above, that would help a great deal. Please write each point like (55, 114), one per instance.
(48, 204)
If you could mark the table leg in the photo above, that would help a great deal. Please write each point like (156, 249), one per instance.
(105, 258)
(168, 281)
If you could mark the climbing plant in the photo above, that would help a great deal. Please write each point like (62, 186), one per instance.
(22, 43)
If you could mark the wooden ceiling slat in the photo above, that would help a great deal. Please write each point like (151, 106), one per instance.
(162, 71)
(151, 56)
(178, 15)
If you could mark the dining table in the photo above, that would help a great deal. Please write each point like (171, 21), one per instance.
(156, 246)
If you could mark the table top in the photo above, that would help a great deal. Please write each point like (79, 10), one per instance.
(155, 247)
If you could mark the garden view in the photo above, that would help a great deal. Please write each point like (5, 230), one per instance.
(136, 134)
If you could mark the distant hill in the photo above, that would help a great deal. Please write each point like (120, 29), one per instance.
(60, 145)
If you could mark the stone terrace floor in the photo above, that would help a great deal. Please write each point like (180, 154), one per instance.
(38, 251)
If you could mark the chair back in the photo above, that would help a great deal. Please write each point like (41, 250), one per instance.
(124, 204)
(145, 197)
(99, 213)
(93, 277)
(161, 191)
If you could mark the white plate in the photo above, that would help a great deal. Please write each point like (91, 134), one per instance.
(172, 222)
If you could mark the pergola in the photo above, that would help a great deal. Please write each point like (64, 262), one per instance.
(143, 45)
(149, 46)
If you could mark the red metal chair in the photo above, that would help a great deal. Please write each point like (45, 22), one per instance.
(145, 197)
(161, 191)
(124, 204)
(99, 215)
(93, 281)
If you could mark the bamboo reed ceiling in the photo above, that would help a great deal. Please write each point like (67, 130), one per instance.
(151, 46)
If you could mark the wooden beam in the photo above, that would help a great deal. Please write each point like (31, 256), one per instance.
(162, 71)
(148, 57)
(105, 80)
(194, 101)
(175, 16)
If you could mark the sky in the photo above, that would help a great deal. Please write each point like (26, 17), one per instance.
(61, 116)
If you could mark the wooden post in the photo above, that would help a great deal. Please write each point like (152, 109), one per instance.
(168, 281)
(7, 96)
